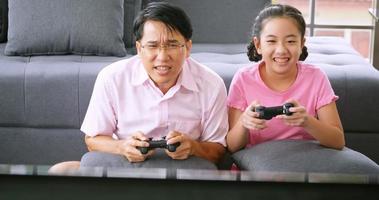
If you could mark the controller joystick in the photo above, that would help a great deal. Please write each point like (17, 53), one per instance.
(159, 144)
(268, 113)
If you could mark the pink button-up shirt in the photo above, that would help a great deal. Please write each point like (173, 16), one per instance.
(125, 100)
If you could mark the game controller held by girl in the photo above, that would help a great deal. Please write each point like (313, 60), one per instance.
(270, 112)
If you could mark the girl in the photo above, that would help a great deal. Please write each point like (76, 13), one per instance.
(279, 77)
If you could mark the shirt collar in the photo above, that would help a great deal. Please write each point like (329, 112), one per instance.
(186, 77)
(140, 75)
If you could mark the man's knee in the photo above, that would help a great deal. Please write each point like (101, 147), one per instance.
(159, 160)
(64, 168)
(101, 159)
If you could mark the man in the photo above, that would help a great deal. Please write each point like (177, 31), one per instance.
(161, 92)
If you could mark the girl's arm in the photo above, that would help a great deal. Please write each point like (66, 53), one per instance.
(237, 136)
(327, 129)
(239, 125)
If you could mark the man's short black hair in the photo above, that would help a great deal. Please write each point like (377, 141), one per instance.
(172, 16)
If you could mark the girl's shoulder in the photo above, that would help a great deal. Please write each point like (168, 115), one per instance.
(248, 70)
(310, 70)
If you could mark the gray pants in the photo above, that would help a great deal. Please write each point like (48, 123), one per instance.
(158, 160)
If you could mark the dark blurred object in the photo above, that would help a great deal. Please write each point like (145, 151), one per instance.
(3, 20)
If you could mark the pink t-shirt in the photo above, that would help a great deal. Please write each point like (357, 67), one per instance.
(125, 100)
(311, 89)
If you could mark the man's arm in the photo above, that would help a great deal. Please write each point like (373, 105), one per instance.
(211, 151)
(104, 144)
(211, 144)
(127, 147)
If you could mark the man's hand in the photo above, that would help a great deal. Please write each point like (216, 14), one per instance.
(184, 150)
(128, 147)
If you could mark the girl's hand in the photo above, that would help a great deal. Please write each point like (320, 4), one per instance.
(299, 115)
(250, 120)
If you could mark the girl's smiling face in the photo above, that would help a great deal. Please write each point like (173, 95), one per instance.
(280, 44)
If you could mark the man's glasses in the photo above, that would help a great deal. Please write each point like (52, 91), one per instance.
(169, 48)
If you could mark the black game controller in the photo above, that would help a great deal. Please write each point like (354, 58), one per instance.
(270, 112)
(159, 144)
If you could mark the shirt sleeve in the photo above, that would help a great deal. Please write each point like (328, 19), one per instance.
(236, 97)
(100, 118)
(215, 125)
(326, 94)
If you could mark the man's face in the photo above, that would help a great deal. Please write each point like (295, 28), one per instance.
(163, 53)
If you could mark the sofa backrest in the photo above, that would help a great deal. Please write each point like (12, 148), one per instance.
(220, 21)
(131, 9)
(209, 18)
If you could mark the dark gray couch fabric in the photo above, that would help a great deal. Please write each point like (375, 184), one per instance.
(51, 27)
(43, 99)
(222, 21)
(159, 160)
(303, 156)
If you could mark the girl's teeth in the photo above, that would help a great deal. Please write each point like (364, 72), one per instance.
(281, 59)
(162, 68)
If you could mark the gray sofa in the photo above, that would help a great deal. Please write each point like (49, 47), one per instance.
(43, 98)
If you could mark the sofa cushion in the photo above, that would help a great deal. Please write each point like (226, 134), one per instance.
(303, 156)
(3, 20)
(86, 27)
(40, 146)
